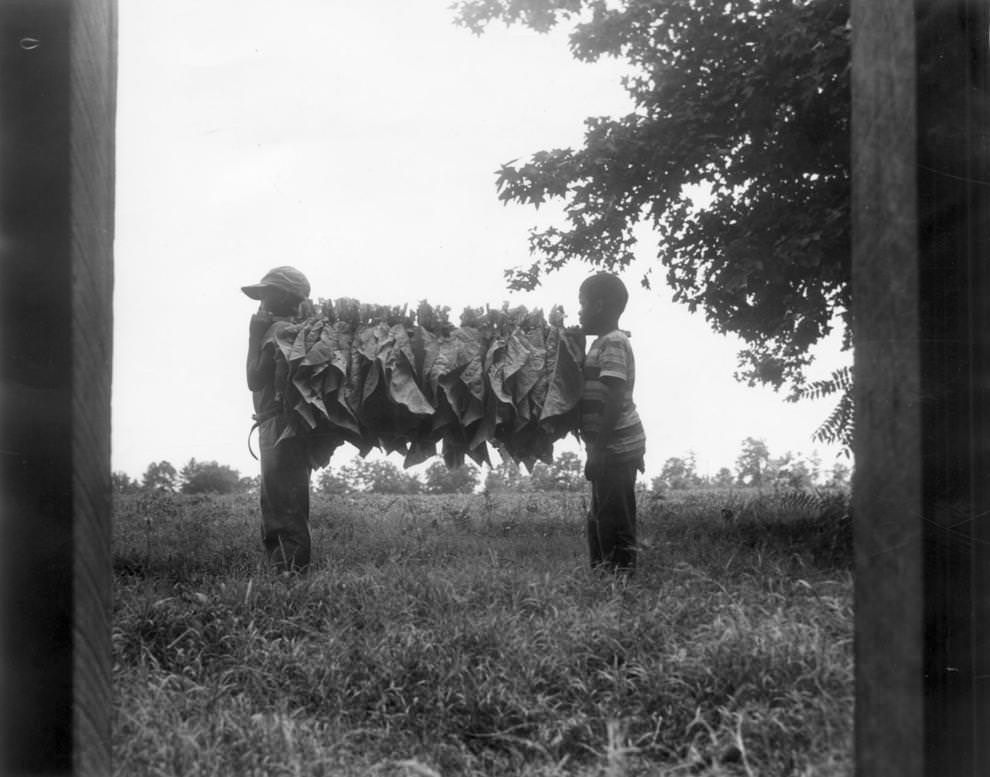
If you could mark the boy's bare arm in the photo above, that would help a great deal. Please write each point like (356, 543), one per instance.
(610, 417)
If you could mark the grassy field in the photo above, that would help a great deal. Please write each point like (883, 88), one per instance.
(461, 635)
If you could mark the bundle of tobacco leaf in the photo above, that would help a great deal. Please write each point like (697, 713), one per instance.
(412, 382)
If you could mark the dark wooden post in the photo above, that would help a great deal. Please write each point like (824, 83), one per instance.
(954, 237)
(57, 108)
(921, 291)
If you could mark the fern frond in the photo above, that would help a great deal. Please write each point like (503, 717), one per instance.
(838, 427)
(840, 380)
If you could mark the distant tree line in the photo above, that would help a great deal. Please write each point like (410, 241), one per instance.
(565, 473)
(196, 477)
(754, 467)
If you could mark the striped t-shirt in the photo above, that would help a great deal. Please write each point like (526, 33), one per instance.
(611, 356)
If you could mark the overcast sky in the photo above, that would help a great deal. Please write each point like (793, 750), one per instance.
(358, 141)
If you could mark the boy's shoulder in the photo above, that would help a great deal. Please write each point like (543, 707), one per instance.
(615, 337)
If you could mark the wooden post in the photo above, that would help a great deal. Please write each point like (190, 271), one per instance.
(57, 108)
(921, 292)
(92, 112)
(887, 484)
(954, 235)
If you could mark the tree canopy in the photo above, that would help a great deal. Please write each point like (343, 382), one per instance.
(440, 479)
(122, 483)
(209, 477)
(160, 475)
(752, 463)
(505, 476)
(677, 474)
(380, 477)
(564, 473)
(736, 153)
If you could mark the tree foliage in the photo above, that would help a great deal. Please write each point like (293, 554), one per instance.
(380, 477)
(564, 473)
(838, 427)
(459, 480)
(330, 482)
(505, 476)
(752, 463)
(840, 476)
(724, 478)
(677, 474)
(122, 483)
(161, 476)
(209, 477)
(791, 471)
(747, 100)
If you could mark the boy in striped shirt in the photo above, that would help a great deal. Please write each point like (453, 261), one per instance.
(610, 426)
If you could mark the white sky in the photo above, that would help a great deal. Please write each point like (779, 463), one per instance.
(358, 142)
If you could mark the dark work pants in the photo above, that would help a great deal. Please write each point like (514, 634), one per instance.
(284, 498)
(612, 519)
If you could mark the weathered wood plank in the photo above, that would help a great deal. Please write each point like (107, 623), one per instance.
(921, 291)
(953, 159)
(887, 487)
(93, 79)
(57, 95)
(37, 467)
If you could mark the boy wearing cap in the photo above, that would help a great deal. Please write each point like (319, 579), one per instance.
(285, 468)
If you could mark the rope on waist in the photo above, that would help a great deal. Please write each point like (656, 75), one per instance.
(259, 419)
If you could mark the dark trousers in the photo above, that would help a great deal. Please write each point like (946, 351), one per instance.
(284, 498)
(612, 519)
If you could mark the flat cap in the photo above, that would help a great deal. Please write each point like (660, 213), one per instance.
(286, 278)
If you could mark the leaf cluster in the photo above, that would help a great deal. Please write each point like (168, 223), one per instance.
(376, 377)
(838, 427)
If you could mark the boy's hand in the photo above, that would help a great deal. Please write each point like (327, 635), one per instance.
(260, 322)
(576, 335)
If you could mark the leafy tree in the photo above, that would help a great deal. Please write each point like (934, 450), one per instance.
(566, 473)
(752, 462)
(122, 483)
(677, 474)
(746, 101)
(790, 471)
(840, 477)
(330, 482)
(208, 477)
(249, 484)
(380, 477)
(540, 478)
(506, 476)
(724, 478)
(160, 476)
(460, 480)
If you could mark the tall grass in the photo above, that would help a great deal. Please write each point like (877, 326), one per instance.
(459, 635)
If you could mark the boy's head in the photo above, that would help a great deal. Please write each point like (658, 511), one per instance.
(602, 298)
(280, 291)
